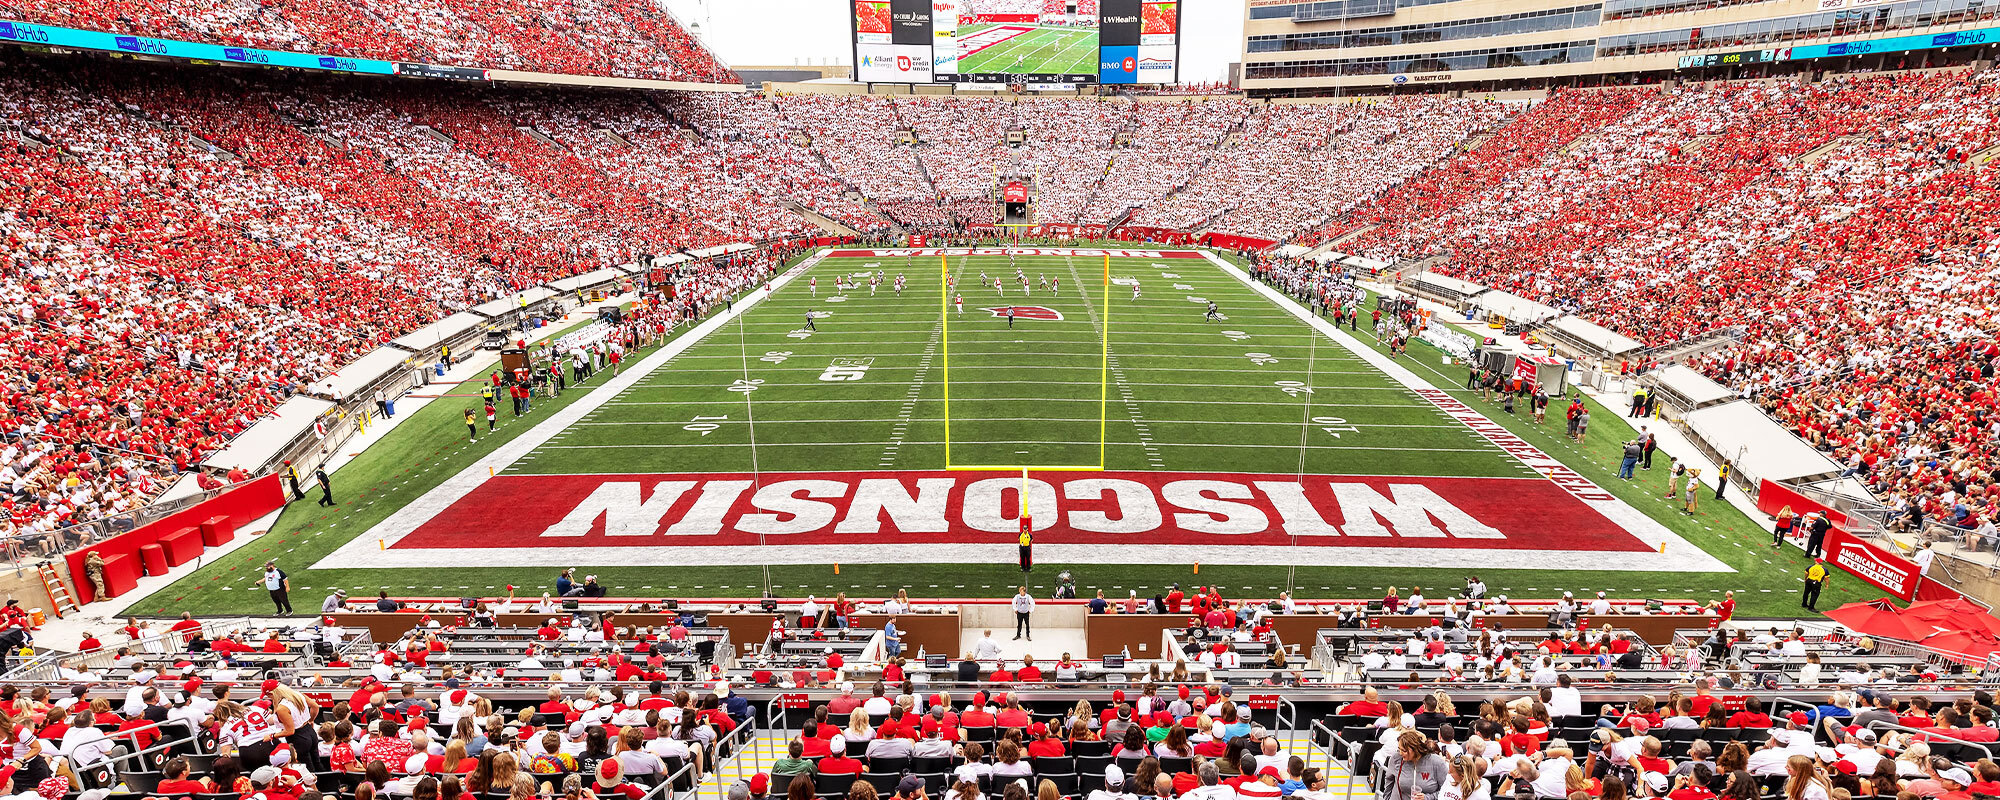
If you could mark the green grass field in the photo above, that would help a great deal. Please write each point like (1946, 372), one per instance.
(865, 392)
(1042, 51)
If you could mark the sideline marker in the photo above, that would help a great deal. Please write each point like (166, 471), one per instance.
(836, 568)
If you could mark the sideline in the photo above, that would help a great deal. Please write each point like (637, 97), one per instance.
(356, 553)
(1680, 554)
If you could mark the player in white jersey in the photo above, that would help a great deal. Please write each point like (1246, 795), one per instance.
(1055, 287)
(872, 283)
(959, 300)
(1135, 290)
(1000, 286)
(1025, 288)
(899, 285)
(814, 284)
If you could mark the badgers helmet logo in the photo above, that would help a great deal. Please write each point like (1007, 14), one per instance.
(1026, 312)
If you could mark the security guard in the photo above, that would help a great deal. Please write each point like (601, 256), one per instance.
(1815, 578)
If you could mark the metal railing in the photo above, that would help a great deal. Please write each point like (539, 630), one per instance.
(46, 668)
(1332, 758)
(1982, 747)
(746, 756)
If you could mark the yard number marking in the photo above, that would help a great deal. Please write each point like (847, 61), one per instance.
(704, 428)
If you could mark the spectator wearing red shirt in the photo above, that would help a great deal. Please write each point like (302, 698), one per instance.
(1752, 715)
(1048, 746)
(1370, 705)
(845, 703)
(1013, 716)
(1028, 673)
(837, 762)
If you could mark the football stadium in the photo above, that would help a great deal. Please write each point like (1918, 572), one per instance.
(1009, 399)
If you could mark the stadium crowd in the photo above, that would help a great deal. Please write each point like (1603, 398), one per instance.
(619, 38)
(188, 249)
(1855, 253)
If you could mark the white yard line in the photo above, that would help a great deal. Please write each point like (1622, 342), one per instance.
(1287, 447)
(452, 489)
(907, 418)
(1679, 554)
(890, 451)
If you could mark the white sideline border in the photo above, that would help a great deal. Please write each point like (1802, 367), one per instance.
(356, 554)
(1680, 556)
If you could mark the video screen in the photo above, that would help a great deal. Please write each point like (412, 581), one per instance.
(1017, 41)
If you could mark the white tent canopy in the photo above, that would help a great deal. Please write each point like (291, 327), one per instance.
(1582, 330)
(1696, 387)
(257, 446)
(354, 377)
(441, 331)
(1761, 448)
(1446, 285)
(1515, 307)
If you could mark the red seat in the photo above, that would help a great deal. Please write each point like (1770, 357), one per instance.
(217, 531)
(182, 546)
(153, 558)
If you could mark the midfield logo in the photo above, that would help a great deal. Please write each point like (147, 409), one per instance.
(1026, 312)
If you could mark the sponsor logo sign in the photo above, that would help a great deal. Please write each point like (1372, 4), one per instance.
(1889, 573)
(1118, 64)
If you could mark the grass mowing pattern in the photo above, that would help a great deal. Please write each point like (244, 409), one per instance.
(1042, 51)
(1187, 394)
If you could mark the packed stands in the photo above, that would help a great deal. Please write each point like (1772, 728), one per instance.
(1663, 214)
(617, 38)
(193, 247)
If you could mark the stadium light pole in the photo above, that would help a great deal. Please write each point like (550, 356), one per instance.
(1305, 429)
(750, 419)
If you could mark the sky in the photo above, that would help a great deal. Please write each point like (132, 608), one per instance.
(787, 32)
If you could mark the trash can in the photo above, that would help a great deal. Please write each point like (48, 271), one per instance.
(440, 369)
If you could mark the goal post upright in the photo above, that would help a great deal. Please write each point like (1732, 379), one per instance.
(944, 342)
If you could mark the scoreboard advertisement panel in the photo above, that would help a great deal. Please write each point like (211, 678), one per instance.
(1016, 41)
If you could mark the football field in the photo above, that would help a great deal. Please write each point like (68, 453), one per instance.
(809, 428)
(1023, 49)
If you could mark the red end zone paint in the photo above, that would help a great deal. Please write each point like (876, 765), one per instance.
(928, 508)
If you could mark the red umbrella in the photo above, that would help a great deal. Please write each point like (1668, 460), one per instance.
(1975, 645)
(1939, 609)
(1879, 618)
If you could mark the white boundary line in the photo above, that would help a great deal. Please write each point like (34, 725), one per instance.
(1680, 555)
(357, 553)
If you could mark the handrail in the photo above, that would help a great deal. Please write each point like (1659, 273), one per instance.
(193, 735)
(1353, 752)
(1288, 721)
(744, 743)
(43, 668)
(1880, 725)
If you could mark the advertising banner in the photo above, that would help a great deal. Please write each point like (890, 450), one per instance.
(1890, 573)
(27, 33)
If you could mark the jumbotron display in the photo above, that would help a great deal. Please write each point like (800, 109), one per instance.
(1008, 41)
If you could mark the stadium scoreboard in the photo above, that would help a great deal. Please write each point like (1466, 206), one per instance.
(1016, 41)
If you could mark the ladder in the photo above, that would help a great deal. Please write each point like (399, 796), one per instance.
(60, 599)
